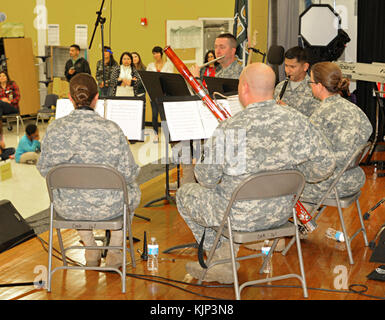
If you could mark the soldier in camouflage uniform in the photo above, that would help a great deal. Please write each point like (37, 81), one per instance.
(343, 123)
(263, 137)
(85, 137)
(229, 67)
(298, 93)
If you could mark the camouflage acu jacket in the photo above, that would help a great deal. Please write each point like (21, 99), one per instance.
(233, 71)
(301, 98)
(85, 137)
(346, 127)
(263, 137)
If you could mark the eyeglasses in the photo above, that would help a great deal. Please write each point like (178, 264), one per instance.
(310, 82)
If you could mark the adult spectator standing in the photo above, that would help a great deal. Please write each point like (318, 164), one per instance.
(159, 65)
(75, 64)
(104, 79)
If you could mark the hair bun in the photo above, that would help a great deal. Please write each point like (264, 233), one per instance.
(343, 85)
(83, 89)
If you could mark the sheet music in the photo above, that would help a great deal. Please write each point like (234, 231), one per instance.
(210, 122)
(184, 120)
(128, 115)
(234, 104)
(231, 104)
(189, 120)
(65, 106)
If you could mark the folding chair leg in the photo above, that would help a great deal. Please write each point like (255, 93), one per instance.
(362, 224)
(49, 276)
(347, 239)
(131, 241)
(124, 244)
(287, 248)
(235, 272)
(61, 247)
(300, 259)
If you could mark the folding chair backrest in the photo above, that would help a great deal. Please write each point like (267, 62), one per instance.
(352, 162)
(85, 176)
(270, 185)
(50, 100)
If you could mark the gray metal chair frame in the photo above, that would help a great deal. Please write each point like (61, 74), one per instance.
(18, 118)
(261, 186)
(341, 203)
(46, 111)
(90, 176)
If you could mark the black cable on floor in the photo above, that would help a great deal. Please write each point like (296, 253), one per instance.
(164, 280)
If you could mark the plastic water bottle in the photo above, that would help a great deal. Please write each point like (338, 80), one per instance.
(153, 251)
(265, 250)
(334, 234)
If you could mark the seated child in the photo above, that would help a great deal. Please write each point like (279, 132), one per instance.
(5, 153)
(29, 146)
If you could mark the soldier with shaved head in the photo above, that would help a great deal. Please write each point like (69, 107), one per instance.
(263, 137)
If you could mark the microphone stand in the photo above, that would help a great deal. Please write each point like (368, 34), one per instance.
(261, 53)
(101, 20)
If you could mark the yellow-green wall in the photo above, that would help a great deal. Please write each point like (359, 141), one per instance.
(126, 31)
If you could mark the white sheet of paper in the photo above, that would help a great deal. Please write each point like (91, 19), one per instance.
(53, 35)
(81, 35)
(210, 122)
(183, 120)
(231, 104)
(128, 115)
(65, 106)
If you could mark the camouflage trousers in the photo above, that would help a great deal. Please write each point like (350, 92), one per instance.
(350, 183)
(201, 207)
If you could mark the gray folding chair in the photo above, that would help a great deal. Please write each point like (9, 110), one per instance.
(47, 111)
(328, 200)
(14, 117)
(88, 176)
(261, 186)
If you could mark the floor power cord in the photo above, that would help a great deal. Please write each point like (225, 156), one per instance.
(359, 289)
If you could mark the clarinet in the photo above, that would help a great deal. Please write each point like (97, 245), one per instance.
(283, 88)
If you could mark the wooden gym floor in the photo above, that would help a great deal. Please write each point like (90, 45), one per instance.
(326, 262)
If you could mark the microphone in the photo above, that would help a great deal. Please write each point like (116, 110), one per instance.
(284, 88)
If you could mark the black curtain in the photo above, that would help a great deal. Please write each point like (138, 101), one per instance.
(370, 48)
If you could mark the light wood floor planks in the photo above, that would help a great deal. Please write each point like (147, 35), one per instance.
(324, 260)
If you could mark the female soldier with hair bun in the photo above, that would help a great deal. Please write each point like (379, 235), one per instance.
(85, 137)
(343, 123)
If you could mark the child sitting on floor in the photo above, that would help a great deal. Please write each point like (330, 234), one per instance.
(5, 153)
(29, 146)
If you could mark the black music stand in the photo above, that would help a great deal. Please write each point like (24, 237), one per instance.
(176, 99)
(375, 146)
(222, 85)
(159, 85)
